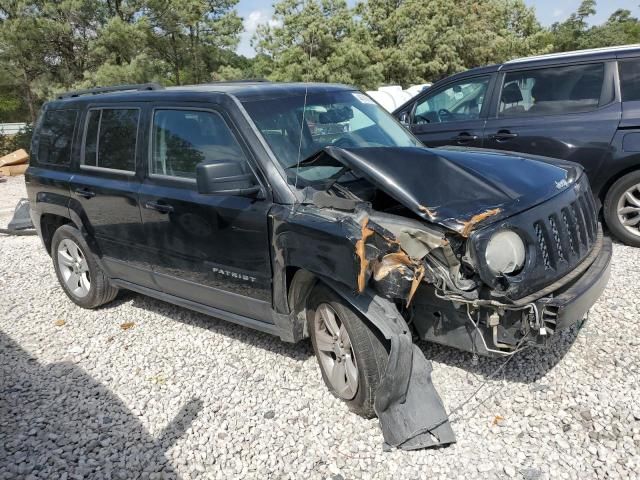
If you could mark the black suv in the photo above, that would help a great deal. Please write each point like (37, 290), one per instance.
(305, 210)
(581, 106)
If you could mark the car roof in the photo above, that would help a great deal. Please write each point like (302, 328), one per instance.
(592, 54)
(243, 90)
(578, 55)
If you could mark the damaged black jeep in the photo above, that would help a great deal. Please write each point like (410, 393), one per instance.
(305, 210)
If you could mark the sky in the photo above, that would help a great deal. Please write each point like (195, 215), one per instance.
(255, 12)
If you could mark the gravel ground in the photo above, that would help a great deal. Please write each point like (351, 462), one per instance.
(181, 395)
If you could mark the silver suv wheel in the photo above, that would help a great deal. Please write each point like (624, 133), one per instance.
(629, 209)
(73, 268)
(335, 352)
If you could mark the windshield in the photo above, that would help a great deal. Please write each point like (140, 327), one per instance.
(347, 119)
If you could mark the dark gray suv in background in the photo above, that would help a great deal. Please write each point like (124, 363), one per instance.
(581, 106)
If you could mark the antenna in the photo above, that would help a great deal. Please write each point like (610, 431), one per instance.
(304, 111)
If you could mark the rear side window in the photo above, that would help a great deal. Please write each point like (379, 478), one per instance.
(630, 80)
(552, 91)
(110, 139)
(184, 138)
(55, 137)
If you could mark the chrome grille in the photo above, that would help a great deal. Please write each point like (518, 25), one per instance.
(565, 237)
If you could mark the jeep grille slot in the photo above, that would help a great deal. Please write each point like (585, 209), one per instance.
(567, 236)
(542, 245)
(556, 237)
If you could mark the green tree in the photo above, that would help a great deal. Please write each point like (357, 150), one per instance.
(421, 41)
(620, 29)
(316, 40)
(190, 36)
(568, 35)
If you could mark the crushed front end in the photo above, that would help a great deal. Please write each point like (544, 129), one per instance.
(453, 292)
(480, 251)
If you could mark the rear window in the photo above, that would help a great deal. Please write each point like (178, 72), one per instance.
(110, 139)
(552, 91)
(630, 80)
(55, 137)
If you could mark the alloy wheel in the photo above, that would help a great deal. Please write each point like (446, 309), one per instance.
(335, 352)
(629, 210)
(74, 268)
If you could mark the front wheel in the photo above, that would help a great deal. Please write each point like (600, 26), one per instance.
(622, 209)
(79, 274)
(352, 356)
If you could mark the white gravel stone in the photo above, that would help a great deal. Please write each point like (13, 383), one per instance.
(183, 395)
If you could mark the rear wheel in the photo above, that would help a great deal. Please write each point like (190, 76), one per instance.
(79, 274)
(351, 355)
(622, 209)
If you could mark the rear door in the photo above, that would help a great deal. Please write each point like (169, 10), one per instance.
(451, 114)
(629, 71)
(568, 112)
(105, 188)
(210, 249)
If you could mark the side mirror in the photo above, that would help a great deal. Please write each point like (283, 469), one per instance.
(224, 177)
(404, 119)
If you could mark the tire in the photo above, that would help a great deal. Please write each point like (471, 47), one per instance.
(616, 200)
(93, 287)
(367, 349)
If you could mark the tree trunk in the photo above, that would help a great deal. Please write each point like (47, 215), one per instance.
(176, 59)
(29, 95)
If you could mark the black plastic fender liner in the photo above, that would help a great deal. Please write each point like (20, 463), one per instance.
(410, 411)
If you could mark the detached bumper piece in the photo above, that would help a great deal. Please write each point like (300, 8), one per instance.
(21, 223)
(410, 411)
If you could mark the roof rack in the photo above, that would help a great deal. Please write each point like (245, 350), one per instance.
(572, 53)
(115, 88)
(244, 80)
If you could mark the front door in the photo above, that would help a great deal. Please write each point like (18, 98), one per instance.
(105, 190)
(452, 114)
(567, 112)
(209, 249)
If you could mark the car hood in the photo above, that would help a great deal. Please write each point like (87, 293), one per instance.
(460, 188)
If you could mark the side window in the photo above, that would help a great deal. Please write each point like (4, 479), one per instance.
(110, 139)
(461, 101)
(551, 91)
(184, 138)
(55, 137)
(630, 80)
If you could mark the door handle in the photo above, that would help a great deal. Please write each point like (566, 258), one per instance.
(502, 136)
(84, 192)
(464, 137)
(158, 207)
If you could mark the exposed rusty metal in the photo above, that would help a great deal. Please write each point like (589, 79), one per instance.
(365, 233)
(469, 225)
(394, 261)
(426, 210)
(418, 276)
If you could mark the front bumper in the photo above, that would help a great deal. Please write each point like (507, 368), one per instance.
(495, 331)
(570, 305)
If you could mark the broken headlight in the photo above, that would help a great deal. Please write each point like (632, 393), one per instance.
(505, 253)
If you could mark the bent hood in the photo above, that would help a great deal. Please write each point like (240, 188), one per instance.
(459, 188)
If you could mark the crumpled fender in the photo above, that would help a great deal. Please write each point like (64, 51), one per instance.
(409, 409)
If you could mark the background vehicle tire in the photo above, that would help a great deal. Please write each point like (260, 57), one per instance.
(78, 273)
(622, 209)
(351, 355)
